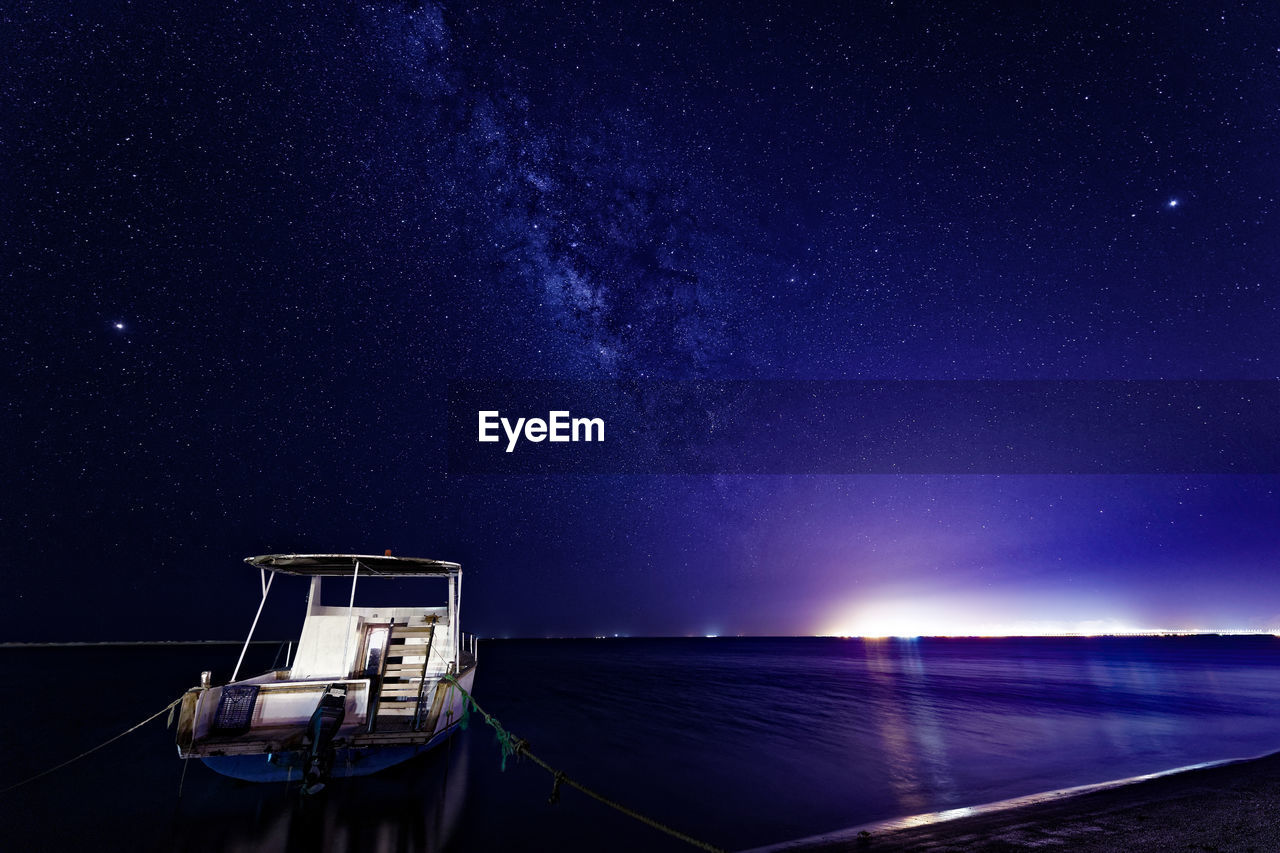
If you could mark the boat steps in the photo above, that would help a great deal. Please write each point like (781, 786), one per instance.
(407, 738)
(394, 669)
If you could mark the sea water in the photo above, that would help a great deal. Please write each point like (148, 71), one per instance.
(741, 742)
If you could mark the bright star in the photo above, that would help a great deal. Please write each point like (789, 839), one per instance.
(1173, 202)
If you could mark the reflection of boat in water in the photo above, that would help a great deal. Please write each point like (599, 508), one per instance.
(414, 806)
(368, 687)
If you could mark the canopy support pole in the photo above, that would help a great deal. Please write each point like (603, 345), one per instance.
(451, 666)
(351, 612)
(457, 615)
(265, 581)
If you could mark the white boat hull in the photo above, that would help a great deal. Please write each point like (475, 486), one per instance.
(348, 761)
(355, 754)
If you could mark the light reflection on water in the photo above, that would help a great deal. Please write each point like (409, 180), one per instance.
(742, 742)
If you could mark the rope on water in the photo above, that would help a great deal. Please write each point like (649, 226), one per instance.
(87, 752)
(512, 745)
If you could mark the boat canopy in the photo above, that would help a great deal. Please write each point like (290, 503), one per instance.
(344, 565)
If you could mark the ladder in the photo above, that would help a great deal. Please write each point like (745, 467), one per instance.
(405, 682)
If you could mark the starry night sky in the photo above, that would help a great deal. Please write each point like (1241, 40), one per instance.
(246, 249)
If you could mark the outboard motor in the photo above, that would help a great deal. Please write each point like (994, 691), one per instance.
(323, 725)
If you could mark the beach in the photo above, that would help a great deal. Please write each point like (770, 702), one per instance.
(1232, 806)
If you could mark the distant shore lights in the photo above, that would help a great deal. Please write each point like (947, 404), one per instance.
(909, 619)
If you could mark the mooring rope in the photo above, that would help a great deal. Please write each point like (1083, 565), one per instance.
(512, 745)
(88, 752)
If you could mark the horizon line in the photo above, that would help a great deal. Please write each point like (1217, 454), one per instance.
(1064, 635)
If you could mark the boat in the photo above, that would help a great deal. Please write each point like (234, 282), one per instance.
(366, 687)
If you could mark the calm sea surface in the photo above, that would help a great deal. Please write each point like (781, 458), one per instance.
(739, 741)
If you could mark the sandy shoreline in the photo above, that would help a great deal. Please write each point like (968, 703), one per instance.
(1225, 806)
